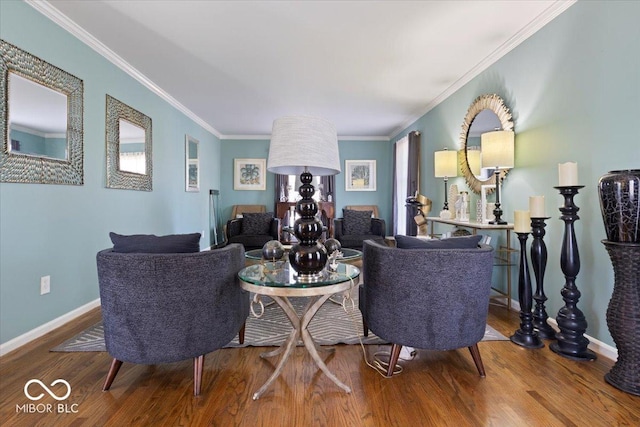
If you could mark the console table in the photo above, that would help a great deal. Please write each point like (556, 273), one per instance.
(503, 258)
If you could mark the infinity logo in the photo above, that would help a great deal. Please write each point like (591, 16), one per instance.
(52, 394)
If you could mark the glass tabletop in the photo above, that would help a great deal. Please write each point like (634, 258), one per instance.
(280, 274)
(347, 254)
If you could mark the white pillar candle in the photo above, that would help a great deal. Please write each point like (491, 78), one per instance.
(522, 222)
(568, 173)
(536, 207)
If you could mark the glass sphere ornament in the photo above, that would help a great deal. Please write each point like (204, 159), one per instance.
(273, 250)
(332, 245)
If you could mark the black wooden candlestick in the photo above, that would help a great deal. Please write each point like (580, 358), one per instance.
(526, 336)
(571, 342)
(539, 264)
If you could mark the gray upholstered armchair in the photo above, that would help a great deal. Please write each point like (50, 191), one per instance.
(356, 226)
(253, 230)
(434, 299)
(162, 308)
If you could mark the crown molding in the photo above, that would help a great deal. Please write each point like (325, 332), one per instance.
(268, 137)
(48, 10)
(540, 21)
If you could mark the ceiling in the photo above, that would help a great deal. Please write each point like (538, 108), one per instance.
(371, 67)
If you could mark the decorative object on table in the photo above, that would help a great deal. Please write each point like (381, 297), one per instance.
(479, 211)
(623, 315)
(249, 174)
(525, 336)
(273, 251)
(216, 226)
(453, 193)
(498, 153)
(462, 206)
(539, 264)
(305, 146)
(360, 175)
(445, 165)
(619, 193)
(487, 207)
(333, 247)
(571, 342)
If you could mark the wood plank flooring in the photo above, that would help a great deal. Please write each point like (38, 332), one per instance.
(522, 388)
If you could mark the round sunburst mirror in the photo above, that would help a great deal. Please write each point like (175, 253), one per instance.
(487, 113)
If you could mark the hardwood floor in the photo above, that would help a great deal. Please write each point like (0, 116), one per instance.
(522, 387)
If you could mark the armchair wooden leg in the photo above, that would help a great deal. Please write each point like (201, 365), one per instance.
(365, 327)
(475, 353)
(393, 358)
(111, 375)
(198, 363)
(241, 333)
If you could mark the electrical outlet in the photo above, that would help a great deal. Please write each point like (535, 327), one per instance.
(45, 285)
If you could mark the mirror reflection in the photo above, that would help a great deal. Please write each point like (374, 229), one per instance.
(37, 119)
(132, 147)
(485, 121)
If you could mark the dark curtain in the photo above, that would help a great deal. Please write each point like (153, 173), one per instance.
(394, 205)
(328, 183)
(281, 188)
(413, 180)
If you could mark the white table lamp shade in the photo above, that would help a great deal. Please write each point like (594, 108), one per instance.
(445, 164)
(301, 142)
(498, 149)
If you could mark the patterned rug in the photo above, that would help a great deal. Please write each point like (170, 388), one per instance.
(331, 325)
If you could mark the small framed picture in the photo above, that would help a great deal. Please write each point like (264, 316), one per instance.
(250, 174)
(192, 165)
(360, 175)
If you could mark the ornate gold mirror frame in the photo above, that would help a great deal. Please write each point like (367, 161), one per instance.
(116, 177)
(21, 168)
(484, 102)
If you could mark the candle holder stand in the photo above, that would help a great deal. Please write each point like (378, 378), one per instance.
(571, 342)
(525, 336)
(539, 265)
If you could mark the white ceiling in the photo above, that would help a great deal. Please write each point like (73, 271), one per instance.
(371, 67)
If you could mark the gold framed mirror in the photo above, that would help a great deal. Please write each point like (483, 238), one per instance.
(128, 138)
(41, 120)
(486, 113)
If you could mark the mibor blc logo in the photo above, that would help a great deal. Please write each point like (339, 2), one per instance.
(58, 393)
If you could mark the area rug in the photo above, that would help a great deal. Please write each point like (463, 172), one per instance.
(331, 325)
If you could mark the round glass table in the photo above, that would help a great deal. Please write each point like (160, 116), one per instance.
(348, 255)
(280, 282)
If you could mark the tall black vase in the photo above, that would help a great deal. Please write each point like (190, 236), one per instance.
(619, 193)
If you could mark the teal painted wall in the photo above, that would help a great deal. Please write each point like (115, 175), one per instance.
(574, 91)
(349, 150)
(56, 230)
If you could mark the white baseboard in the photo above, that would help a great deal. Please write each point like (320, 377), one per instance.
(46, 328)
(603, 349)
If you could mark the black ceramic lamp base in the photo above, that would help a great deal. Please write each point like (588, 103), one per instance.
(308, 258)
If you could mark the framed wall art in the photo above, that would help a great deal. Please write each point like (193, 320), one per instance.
(360, 175)
(192, 165)
(250, 174)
